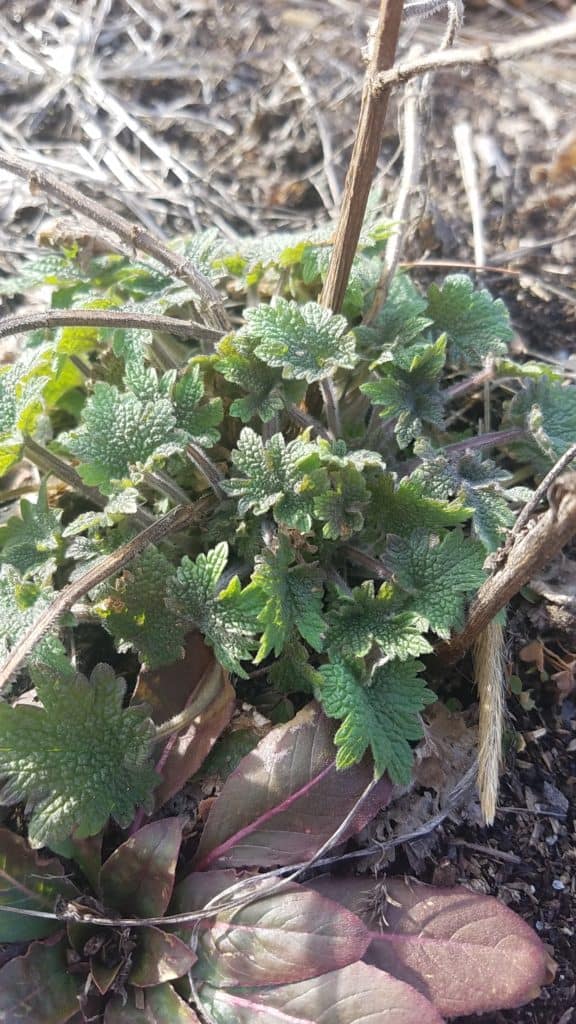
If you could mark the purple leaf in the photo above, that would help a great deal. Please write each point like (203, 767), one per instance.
(37, 988)
(167, 691)
(31, 882)
(138, 878)
(286, 936)
(465, 952)
(358, 994)
(199, 888)
(286, 798)
(159, 957)
(103, 974)
(161, 1005)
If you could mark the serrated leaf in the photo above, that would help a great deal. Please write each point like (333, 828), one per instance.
(197, 417)
(226, 618)
(367, 618)
(32, 541)
(438, 574)
(49, 269)
(399, 323)
(380, 712)
(342, 508)
(79, 759)
(21, 603)
(411, 392)
(476, 325)
(21, 387)
(38, 988)
(402, 507)
(138, 877)
(290, 597)
(308, 342)
(272, 479)
(357, 994)
(28, 882)
(292, 671)
(286, 798)
(266, 390)
(466, 952)
(548, 410)
(120, 432)
(133, 609)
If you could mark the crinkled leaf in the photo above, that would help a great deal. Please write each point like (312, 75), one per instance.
(133, 609)
(226, 618)
(21, 603)
(159, 957)
(31, 542)
(402, 507)
(548, 410)
(357, 994)
(49, 269)
(398, 324)
(272, 479)
(38, 988)
(380, 712)
(476, 325)
(290, 597)
(138, 877)
(308, 342)
(167, 691)
(367, 618)
(292, 671)
(28, 882)
(21, 387)
(438, 574)
(279, 938)
(198, 417)
(79, 759)
(286, 798)
(342, 508)
(411, 392)
(466, 952)
(266, 390)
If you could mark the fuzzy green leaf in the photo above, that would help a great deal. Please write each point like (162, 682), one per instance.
(292, 671)
(475, 324)
(121, 433)
(411, 392)
(197, 417)
(548, 411)
(403, 507)
(21, 387)
(399, 323)
(79, 759)
(32, 541)
(226, 618)
(307, 342)
(380, 713)
(134, 611)
(368, 618)
(21, 602)
(273, 479)
(266, 390)
(342, 507)
(438, 575)
(291, 598)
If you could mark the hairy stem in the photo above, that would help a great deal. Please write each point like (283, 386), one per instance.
(53, 318)
(164, 484)
(204, 463)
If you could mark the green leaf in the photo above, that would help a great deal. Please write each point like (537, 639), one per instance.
(411, 394)
(548, 411)
(138, 877)
(402, 507)
(438, 575)
(380, 713)
(28, 882)
(266, 390)
(134, 611)
(120, 433)
(49, 269)
(79, 759)
(342, 508)
(226, 618)
(476, 325)
(21, 387)
(21, 602)
(290, 597)
(32, 541)
(399, 323)
(272, 479)
(292, 672)
(367, 618)
(199, 419)
(308, 342)
(38, 988)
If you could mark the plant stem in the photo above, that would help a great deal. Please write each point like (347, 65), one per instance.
(331, 409)
(209, 301)
(164, 484)
(111, 318)
(304, 419)
(372, 565)
(204, 463)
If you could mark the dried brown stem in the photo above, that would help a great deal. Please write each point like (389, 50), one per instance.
(210, 302)
(531, 550)
(53, 318)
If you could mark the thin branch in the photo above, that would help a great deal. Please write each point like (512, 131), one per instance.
(541, 492)
(331, 409)
(305, 420)
(209, 469)
(177, 519)
(209, 301)
(476, 56)
(161, 482)
(53, 318)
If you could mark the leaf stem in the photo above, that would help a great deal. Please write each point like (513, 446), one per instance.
(161, 482)
(111, 318)
(204, 463)
(331, 409)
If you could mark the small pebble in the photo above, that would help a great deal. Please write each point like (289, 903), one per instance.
(558, 884)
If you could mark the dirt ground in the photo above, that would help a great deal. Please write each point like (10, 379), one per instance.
(191, 113)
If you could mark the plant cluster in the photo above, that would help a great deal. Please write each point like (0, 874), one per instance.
(351, 514)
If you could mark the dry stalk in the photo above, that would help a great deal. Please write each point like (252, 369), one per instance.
(50, 318)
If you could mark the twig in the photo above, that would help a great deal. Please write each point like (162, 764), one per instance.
(209, 301)
(304, 419)
(177, 519)
(463, 140)
(53, 318)
(323, 134)
(531, 550)
(541, 492)
(476, 56)
(331, 409)
(209, 470)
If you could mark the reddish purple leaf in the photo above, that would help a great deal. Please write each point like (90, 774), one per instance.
(161, 1005)
(199, 888)
(172, 688)
(28, 882)
(103, 974)
(37, 988)
(159, 957)
(286, 798)
(138, 878)
(286, 936)
(358, 994)
(465, 952)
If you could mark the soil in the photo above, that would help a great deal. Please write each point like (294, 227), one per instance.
(189, 113)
